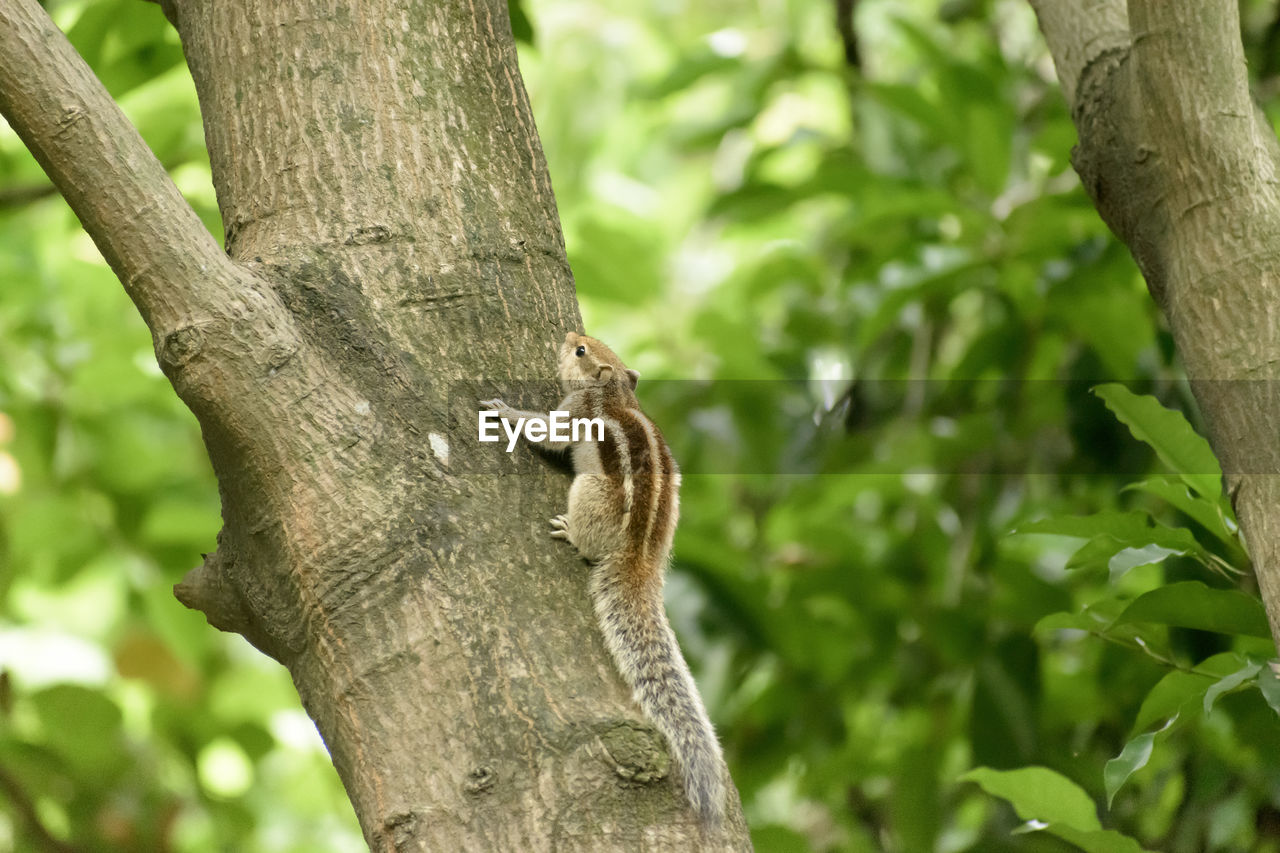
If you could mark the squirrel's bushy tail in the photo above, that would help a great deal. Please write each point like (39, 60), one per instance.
(640, 639)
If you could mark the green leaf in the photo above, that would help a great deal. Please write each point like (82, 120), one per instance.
(1100, 841)
(910, 102)
(1118, 540)
(1133, 757)
(1131, 558)
(1120, 525)
(1097, 617)
(914, 801)
(521, 28)
(183, 522)
(1213, 516)
(1096, 554)
(83, 725)
(1191, 604)
(1168, 433)
(987, 137)
(1229, 683)
(1002, 722)
(1269, 685)
(1054, 804)
(1040, 794)
(1178, 693)
(777, 837)
(1096, 309)
(1065, 620)
(615, 257)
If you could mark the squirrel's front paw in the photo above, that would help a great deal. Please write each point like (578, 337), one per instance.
(560, 528)
(501, 408)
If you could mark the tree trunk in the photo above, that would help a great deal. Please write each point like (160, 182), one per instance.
(390, 233)
(1183, 167)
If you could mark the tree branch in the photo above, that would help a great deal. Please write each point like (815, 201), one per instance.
(143, 226)
(848, 32)
(1185, 170)
(1194, 106)
(1211, 107)
(1078, 33)
(208, 589)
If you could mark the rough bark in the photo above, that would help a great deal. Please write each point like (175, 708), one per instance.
(390, 233)
(1183, 167)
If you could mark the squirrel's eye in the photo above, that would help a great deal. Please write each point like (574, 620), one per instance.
(580, 352)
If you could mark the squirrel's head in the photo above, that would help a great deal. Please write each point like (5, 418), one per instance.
(583, 359)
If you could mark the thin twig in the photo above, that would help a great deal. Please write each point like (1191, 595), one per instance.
(848, 33)
(25, 194)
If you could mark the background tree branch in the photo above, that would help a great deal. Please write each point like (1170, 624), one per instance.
(848, 32)
(1182, 167)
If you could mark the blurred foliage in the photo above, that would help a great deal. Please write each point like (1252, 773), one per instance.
(954, 572)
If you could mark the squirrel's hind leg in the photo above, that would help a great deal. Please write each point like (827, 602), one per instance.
(593, 521)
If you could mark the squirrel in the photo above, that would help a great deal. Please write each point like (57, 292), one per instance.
(623, 507)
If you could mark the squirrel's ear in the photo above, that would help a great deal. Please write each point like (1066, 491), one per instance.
(635, 377)
(605, 373)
